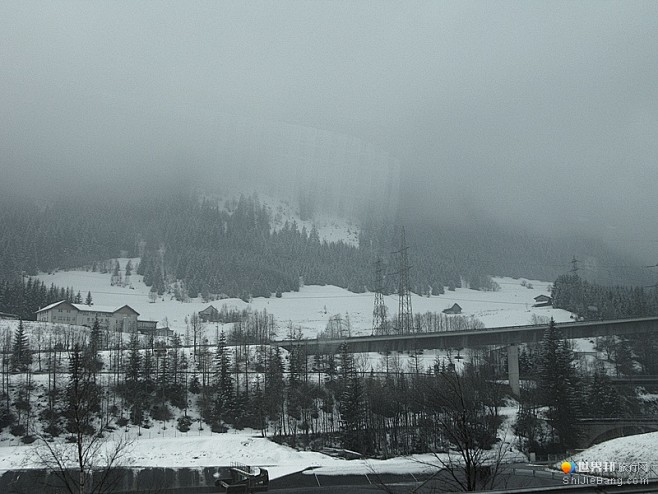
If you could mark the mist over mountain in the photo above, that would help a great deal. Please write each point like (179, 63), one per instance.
(543, 116)
(491, 131)
(321, 170)
(198, 246)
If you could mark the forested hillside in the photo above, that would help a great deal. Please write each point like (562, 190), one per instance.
(594, 301)
(204, 247)
(23, 298)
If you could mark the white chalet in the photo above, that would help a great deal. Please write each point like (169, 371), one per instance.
(122, 318)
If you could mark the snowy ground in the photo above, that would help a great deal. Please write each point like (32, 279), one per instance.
(310, 309)
(171, 448)
(638, 454)
(167, 447)
(312, 306)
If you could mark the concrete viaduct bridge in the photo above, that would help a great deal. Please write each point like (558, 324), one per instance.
(510, 337)
(597, 430)
(640, 380)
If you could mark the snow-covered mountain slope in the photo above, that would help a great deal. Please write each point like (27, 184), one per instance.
(330, 227)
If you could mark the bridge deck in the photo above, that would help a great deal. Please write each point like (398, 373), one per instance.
(475, 338)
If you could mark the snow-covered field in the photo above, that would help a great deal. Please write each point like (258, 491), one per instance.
(312, 306)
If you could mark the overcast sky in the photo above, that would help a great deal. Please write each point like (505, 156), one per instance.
(529, 111)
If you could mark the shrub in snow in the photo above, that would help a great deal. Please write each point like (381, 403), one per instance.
(184, 424)
(221, 428)
(53, 429)
(18, 430)
(28, 439)
(161, 412)
(6, 419)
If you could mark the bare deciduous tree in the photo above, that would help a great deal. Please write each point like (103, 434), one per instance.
(88, 466)
(198, 328)
(467, 414)
(86, 463)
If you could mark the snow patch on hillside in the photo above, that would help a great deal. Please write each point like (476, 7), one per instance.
(330, 228)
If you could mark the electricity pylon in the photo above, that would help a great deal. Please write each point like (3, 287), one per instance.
(405, 314)
(379, 312)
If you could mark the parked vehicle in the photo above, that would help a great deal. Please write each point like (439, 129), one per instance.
(245, 479)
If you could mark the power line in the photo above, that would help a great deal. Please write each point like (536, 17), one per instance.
(453, 299)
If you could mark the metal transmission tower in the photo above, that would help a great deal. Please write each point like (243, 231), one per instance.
(405, 314)
(379, 312)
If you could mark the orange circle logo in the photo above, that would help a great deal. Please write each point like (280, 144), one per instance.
(568, 466)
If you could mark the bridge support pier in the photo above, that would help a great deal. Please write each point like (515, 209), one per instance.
(513, 369)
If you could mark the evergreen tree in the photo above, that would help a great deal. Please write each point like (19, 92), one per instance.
(602, 399)
(195, 384)
(274, 385)
(257, 408)
(133, 368)
(116, 274)
(558, 384)
(223, 383)
(624, 362)
(352, 410)
(92, 361)
(164, 376)
(88, 300)
(83, 395)
(21, 353)
(147, 368)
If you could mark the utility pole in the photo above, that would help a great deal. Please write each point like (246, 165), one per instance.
(405, 314)
(574, 266)
(379, 313)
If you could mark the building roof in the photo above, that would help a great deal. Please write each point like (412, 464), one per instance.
(110, 309)
(542, 297)
(95, 308)
(455, 307)
(89, 308)
(48, 307)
